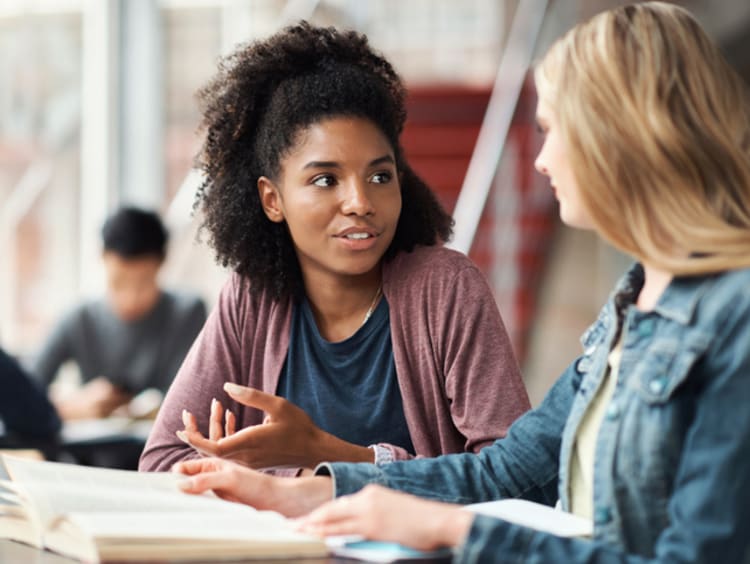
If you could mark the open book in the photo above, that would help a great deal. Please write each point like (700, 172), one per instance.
(95, 514)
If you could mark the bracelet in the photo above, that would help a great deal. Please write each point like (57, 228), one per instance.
(383, 455)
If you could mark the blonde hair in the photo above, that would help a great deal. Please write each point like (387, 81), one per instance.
(657, 126)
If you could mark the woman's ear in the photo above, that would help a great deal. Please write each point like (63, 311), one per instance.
(270, 199)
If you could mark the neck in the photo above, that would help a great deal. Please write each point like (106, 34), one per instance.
(655, 282)
(340, 306)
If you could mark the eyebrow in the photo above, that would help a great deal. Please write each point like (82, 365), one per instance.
(333, 164)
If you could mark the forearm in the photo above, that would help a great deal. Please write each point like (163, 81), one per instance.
(161, 458)
(495, 540)
(482, 378)
(298, 496)
(329, 448)
(524, 464)
(163, 448)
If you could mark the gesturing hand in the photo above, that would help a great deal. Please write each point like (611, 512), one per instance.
(286, 438)
(378, 513)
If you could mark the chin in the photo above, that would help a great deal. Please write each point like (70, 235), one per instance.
(576, 222)
(130, 317)
(359, 268)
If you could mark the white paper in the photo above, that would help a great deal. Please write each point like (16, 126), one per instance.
(536, 516)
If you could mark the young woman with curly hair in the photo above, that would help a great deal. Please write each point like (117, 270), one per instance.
(345, 321)
(647, 433)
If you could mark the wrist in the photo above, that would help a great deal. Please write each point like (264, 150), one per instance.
(453, 526)
(381, 455)
(333, 449)
(304, 494)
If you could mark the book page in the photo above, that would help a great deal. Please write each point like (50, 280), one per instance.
(56, 488)
(535, 516)
(176, 536)
(9, 499)
(161, 525)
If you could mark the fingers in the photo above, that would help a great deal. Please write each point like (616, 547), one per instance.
(341, 516)
(255, 398)
(202, 482)
(205, 446)
(230, 423)
(250, 443)
(188, 420)
(348, 527)
(196, 466)
(226, 479)
(215, 426)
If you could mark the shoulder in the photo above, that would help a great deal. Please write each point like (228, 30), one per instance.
(88, 311)
(185, 303)
(438, 279)
(239, 290)
(734, 282)
(434, 262)
(9, 367)
(725, 297)
(240, 300)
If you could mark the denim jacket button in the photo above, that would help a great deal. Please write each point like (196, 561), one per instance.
(613, 411)
(583, 365)
(657, 384)
(602, 515)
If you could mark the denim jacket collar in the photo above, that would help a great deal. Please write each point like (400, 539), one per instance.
(677, 302)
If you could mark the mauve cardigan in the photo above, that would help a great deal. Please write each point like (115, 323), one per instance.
(459, 380)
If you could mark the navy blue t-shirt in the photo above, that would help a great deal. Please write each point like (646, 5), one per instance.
(349, 388)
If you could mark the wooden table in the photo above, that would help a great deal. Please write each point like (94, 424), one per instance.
(17, 553)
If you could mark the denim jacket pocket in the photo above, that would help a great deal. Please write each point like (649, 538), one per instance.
(654, 415)
(668, 363)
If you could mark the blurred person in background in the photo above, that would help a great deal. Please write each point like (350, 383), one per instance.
(26, 414)
(647, 433)
(132, 340)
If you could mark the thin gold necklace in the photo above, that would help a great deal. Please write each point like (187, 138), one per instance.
(372, 305)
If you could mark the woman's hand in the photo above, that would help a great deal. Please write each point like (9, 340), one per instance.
(286, 438)
(96, 399)
(379, 513)
(290, 496)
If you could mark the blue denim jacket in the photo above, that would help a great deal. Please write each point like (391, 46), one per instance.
(672, 464)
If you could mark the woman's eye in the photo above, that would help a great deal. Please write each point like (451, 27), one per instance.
(381, 178)
(324, 180)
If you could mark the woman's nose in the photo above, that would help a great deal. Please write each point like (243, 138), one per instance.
(356, 199)
(539, 165)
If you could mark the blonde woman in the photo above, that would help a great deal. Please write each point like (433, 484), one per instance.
(647, 142)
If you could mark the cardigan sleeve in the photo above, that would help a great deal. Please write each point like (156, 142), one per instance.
(482, 378)
(460, 382)
(214, 358)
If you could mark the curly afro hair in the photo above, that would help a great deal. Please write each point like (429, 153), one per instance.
(263, 95)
